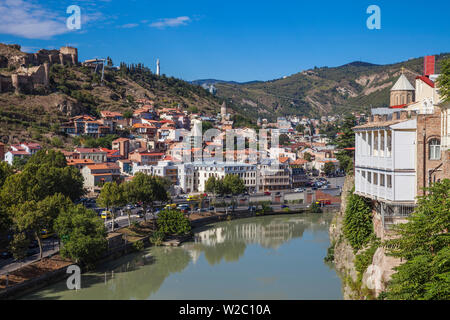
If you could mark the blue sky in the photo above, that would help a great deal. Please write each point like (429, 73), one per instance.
(232, 40)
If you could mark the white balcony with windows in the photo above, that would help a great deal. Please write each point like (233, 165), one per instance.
(385, 156)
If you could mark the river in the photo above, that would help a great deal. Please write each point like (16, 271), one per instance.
(271, 257)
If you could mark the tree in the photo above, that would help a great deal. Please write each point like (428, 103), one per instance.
(307, 156)
(36, 182)
(358, 225)
(214, 186)
(82, 234)
(346, 139)
(234, 185)
(284, 139)
(300, 128)
(128, 114)
(329, 168)
(443, 81)
(173, 222)
(424, 243)
(112, 195)
(35, 216)
(146, 189)
(5, 171)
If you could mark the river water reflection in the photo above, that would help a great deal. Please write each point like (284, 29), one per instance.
(272, 257)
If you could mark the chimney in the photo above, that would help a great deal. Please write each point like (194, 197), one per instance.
(403, 115)
(428, 67)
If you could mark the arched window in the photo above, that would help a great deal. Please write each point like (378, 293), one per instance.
(435, 149)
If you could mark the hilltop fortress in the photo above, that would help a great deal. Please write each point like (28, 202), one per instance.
(23, 72)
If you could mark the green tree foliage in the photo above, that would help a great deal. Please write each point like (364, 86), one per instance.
(284, 139)
(82, 233)
(173, 222)
(233, 184)
(49, 157)
(358, 225)
(307, 156)
(329, 168)
(347, 138)
(35, 216)
(206, 125)
(36, 182)
(444, 79)
(5, 171)
(300, 128)
(112, 195)
(146, 189)
(315, 208)
(425, 243)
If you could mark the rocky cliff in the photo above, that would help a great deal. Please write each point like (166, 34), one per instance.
(374, 279)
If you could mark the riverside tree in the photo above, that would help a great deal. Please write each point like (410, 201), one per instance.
(35, 216)
(111, 196)
(173, 222)
(82, 234)
(146, 189)
(214, 186)
(424, 243)
(234, 185)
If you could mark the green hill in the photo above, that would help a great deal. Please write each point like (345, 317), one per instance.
(356, 86)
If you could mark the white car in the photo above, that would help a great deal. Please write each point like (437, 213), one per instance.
(298, 190)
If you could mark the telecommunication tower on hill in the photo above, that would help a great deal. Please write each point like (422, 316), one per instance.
(158, 68)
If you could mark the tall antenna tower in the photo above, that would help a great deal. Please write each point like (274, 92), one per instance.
(158, 70)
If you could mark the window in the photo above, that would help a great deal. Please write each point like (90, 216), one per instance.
(382, 144)
(369, 139)
(375, 179)
(375, 143)
(389, 181)
(382, 182)
(389, 143)
(369, 177)
(435, 149)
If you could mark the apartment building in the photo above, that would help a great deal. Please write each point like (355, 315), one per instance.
(204, 170)
(273, 176)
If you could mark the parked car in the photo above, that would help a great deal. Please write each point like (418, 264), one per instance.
(267, 193)
(211, 208)
(106, 215)
(116, 225)
(252, 208)
(5, 255)
(298, 190)
(284, 206)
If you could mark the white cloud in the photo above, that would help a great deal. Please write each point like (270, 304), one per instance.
(171, 22)
(28, 20)
(129, 25)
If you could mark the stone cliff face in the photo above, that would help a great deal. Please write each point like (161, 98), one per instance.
(377, 274)
(343, 253)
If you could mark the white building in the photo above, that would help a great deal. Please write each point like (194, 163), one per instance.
(204, 170)
(385, 164)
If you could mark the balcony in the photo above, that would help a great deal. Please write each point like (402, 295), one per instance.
(374, 162)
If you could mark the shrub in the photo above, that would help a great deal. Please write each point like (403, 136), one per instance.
(358, 225)
(157, 238)
(173, 222)
(139, 245)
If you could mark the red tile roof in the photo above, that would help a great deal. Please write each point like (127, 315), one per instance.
(426, 80)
